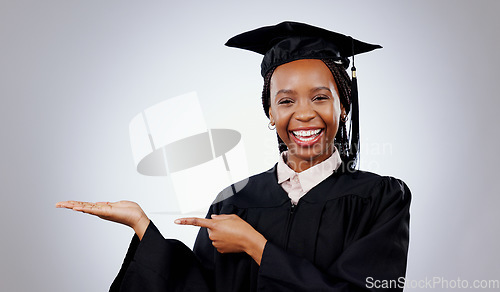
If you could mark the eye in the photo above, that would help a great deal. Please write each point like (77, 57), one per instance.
(285, 101)
(320, 97)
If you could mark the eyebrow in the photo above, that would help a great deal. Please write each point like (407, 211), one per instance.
(321, 88)
(284, 91)
(290, 91)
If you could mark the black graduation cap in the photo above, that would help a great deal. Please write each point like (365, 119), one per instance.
(289, 41)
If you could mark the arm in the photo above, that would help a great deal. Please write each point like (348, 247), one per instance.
(230, 234)
(380, 253)
(158, 264)
(152, 263)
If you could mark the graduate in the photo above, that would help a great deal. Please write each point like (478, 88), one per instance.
(311, 223)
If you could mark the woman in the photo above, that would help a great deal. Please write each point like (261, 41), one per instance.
(311, 223)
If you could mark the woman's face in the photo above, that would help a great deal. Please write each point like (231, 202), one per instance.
(305, 107)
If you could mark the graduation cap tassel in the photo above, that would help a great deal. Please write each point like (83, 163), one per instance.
(354, 129)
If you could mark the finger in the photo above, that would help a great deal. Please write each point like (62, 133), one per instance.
(80, 205)
(73, 203)
(94, 209)
(63, 204)
(194, 221)
(60, 204)
(68, 204)
(222, 216)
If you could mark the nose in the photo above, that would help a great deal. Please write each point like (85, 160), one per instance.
(304, 112)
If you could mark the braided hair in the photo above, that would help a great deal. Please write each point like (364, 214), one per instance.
(343, 82)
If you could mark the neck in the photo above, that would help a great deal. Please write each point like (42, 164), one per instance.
(299, 164)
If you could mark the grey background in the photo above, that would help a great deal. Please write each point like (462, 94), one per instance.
(74, 73)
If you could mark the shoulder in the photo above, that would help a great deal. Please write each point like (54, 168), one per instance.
(385, 196)
(369, 184)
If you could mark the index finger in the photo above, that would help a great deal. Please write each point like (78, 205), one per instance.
(70, 204)
(195, 222)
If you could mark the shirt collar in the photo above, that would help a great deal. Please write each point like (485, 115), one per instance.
(312, 176)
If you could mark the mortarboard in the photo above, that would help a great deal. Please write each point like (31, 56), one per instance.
(290, 41)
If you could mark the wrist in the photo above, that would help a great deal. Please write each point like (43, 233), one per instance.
(254, 246)
(141, 226)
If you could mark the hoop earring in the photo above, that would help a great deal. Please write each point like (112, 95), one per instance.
(343, 119)
(270, 126)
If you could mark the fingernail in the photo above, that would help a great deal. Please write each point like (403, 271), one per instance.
(177, 221)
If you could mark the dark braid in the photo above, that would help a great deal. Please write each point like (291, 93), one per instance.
(343, 82)
(266, 102)
(266, 91)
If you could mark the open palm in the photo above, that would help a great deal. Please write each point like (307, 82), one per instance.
(124, 212)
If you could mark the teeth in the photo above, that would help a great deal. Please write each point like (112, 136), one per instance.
(309, 133)
(305, 139)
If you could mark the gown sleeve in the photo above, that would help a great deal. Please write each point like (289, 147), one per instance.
(158, 264)
(374, 261)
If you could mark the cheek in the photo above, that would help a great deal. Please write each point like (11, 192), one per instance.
(281, 120)
(279, 116)
(336, 112)
(331, 114)
(331, 117)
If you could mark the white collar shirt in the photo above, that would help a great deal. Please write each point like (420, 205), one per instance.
(298, 184)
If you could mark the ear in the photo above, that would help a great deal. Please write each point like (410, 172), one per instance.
(271, 119)
(343, 112)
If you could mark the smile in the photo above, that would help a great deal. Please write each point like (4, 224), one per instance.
(306, 137)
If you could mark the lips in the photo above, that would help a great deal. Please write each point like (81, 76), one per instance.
(306, 137)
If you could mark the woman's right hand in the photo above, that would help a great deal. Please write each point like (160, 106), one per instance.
(124, 212)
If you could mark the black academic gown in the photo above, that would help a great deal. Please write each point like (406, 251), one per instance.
(345, 234)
